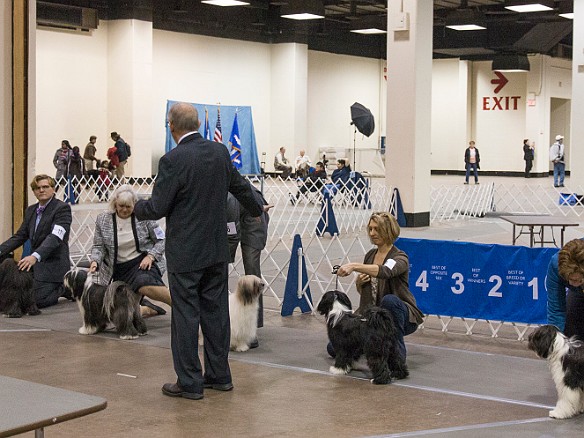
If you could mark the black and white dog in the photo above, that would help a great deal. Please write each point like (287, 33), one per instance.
(16, 291)
(565, 358)
(243, 311)
(100, 305)
(372, 335)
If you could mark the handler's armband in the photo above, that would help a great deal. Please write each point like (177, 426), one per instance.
(59, 231)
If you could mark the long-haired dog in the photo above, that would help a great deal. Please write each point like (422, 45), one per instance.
(372, 335)
(16, 291)
(100, 305)
(565, 358)
(243, 311)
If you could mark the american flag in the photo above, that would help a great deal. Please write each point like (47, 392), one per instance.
(218, 137)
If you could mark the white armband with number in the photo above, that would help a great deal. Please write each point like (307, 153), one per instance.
(390, 263)
(59, 231)
(159, 233)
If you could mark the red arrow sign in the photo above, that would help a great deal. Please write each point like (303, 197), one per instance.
(502, 81)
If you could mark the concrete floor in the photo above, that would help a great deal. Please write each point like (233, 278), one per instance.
(460, 386)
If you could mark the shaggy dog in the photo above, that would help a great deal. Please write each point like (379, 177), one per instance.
(100, 305)
(243, 311)
(16, 292)
(371, 335)
(566, 362)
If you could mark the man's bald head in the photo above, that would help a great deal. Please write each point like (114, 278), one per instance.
(184, 118)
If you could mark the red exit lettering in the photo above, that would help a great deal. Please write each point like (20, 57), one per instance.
(503, 103)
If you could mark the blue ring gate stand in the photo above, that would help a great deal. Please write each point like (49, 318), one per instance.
(297, 291)
(327, 222)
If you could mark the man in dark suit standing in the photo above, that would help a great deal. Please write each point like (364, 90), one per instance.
(191, 193)
(46, 224)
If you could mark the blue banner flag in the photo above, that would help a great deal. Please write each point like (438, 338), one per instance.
(207, 131)
(235, 145)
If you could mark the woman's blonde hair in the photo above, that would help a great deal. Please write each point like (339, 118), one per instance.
(125, 194)
(387, 226)
(571, 258)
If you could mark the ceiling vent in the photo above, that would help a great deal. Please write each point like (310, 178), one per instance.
(66, 17)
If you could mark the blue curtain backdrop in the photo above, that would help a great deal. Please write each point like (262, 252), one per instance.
(249, 151)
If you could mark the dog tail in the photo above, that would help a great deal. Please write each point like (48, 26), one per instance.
(379, 319)
(109, 297)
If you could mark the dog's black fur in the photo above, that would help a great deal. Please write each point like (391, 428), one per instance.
(16, 290)
(100, 305)
(372, 335)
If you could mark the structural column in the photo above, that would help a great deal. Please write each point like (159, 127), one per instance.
(409, 88)
(289, 97)
(130, 90)
(577, 111)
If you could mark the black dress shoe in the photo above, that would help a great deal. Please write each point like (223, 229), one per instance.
(174, 390)
(159, 310)
(219, 386)
(254, 344)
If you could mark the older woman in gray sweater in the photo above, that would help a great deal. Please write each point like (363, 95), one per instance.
(130, 250)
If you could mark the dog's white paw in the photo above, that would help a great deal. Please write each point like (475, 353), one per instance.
(559, 414)
(339, 371)
(87, 330)
(127, 337)
(243, 347)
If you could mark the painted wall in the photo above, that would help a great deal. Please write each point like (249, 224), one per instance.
(71, 92)
(78, 95)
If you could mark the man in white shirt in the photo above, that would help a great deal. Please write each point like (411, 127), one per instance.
(557, 157)
(302, 164)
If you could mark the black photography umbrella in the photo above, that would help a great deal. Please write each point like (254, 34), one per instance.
(364, 123)
(362, 119)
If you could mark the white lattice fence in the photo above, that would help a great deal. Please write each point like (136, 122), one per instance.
(456, 202)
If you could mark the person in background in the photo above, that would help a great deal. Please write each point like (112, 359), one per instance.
(75, 171)
(46, 224)
(566, 274)
(341, 174)
(472, 161)
(383, 278)
(557, 158)
(61, 159)
(130, 250)
(528, 155)
(313, 182)
(191, 193)
(121, 153)
(302, 164)
(253, 235)
(281, 163)
(89, 154)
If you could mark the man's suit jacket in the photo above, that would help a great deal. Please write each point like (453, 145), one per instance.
(50, 240)
(191, 192)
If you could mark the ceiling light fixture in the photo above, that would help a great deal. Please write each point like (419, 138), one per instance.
(529, 5)
(566, 10)
(510, 62)
(371, 25)
(465, 19)
(303, 10)
(225, 2)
